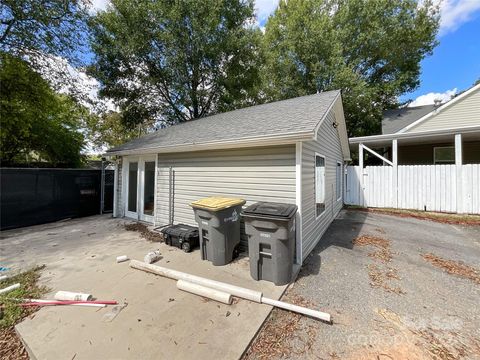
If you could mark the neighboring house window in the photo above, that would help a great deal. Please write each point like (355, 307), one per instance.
(319, 184)
(444, 155)
(339, 180)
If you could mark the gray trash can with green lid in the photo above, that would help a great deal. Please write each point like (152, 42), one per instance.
(218, 220)
(270, 228)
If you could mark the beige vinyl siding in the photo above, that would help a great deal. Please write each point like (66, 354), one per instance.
(254, 174)
(465, 112)
(327, 145)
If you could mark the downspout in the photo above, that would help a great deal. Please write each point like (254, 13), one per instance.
(171, 195)
(172, 209)
(115, 190)
(102, 187)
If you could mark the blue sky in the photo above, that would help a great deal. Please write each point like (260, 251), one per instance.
(455, 63)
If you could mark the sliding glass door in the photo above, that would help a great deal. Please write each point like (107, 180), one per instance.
(139, 177)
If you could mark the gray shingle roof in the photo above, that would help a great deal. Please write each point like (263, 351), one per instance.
(290, 116)
(396, 119)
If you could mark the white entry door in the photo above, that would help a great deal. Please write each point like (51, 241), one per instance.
(139, 180)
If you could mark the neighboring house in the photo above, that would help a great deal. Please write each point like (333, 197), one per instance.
(431, 158)
(428, 135)
(289, 151)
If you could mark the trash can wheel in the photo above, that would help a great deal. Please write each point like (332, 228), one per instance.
(186, 247)
(236, 252)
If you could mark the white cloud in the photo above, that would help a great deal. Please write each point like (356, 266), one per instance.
(429, 99)
(455, 13)
(98, 5)
(66, 79)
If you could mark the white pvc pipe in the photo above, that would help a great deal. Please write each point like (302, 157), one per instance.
(3, 277)
(248, 294)
(204, 291)
(9, 288)
(298, 309)
(68, 295)
(122, 258)
(212, 284)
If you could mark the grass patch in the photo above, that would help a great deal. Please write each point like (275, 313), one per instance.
(459, 219)
(29, 289)
(11, 313)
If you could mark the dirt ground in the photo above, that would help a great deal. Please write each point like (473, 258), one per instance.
(397, 288)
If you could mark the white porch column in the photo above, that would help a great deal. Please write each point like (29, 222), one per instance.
(395, 172)
(360, 164)
(458, 165)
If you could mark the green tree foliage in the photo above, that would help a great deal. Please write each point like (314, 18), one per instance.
(173, 61)
(37, 28)
(371, 49)
(108, 130)
(35, 122)
(51, 35)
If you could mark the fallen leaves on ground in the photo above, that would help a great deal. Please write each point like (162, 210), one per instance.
(11, 347)
(454, 267)
(145, 232)
(384, 255)
(376, 241)
(443, 218)
(380, 278)
(439, 344)
(439, 347)
(277, 334)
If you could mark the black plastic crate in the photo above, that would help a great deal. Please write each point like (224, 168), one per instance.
(182, 236)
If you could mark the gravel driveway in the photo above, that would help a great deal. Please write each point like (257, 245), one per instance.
(387, 291)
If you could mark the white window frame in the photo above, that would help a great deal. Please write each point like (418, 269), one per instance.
(339, 177)
(318, 216)
(443, 162)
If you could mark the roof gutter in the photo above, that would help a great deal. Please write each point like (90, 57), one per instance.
(282, 139)
(429, 133)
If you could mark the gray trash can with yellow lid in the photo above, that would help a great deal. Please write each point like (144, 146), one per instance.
(218, 220)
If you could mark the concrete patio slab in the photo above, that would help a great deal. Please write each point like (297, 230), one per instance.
(159, 320)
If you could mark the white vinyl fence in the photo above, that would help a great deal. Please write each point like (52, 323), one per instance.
(419, 187)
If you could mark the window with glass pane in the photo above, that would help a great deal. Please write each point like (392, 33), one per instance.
(319, 184)
(149, 188)
(444, 155)
(132, 186)
(339, 181)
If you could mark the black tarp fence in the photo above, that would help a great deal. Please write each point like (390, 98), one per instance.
(37, 196)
